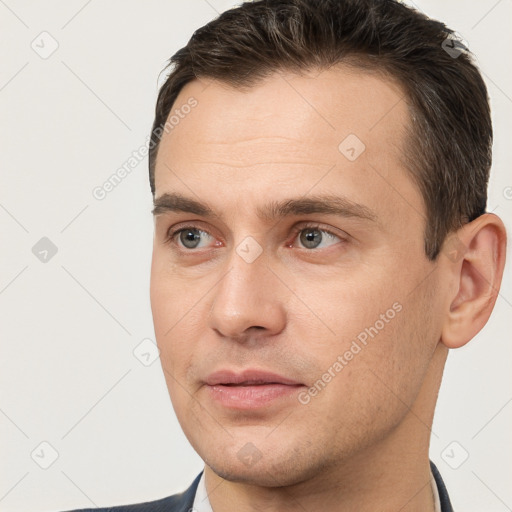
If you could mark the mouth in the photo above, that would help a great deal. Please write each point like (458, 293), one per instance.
(250, 389)
(249, 377)
(248, 383)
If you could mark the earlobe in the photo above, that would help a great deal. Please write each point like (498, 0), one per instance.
(477, 275)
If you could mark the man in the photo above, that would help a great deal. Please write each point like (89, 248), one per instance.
(319, 174)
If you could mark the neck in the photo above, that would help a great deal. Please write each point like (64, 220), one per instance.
(392, 474)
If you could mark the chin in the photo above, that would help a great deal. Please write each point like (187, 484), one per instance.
(262, 476)
(270, 468)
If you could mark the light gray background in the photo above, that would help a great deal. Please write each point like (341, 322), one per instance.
(69, 326)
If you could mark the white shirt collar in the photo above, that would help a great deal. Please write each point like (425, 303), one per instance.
(202, 503)
(435, 492)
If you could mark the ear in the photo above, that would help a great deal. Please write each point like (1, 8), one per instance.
(476, 257)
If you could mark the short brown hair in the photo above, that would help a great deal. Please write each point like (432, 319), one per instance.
(449, 150)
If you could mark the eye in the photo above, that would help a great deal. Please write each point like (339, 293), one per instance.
(309, 237)
(314, 237)
(189, 237)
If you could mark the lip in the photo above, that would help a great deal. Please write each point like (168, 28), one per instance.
(247, 377)
(250, 389)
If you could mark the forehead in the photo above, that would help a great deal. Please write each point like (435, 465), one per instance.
(320, 105)
(316, 110)
(290, 130)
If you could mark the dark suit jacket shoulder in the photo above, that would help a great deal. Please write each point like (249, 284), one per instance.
(184, 501)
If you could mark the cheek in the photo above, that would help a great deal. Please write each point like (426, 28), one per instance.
(350, 307)
(382, 335)
(379, 379)
(171, 309)
(397, 356)
(172, 296)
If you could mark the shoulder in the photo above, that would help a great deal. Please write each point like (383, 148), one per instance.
(182, 502)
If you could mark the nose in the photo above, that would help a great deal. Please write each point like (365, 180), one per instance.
(248, 302)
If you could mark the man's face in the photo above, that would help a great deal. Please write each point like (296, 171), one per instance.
(337, 305)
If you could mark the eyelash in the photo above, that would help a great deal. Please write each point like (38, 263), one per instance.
(172, 234)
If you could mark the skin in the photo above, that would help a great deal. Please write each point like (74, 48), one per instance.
(295, 309)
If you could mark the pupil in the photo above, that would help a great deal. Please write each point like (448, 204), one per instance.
(311, 238)
(189, 238)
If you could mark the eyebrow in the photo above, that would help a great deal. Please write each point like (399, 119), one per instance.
(273, 210)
